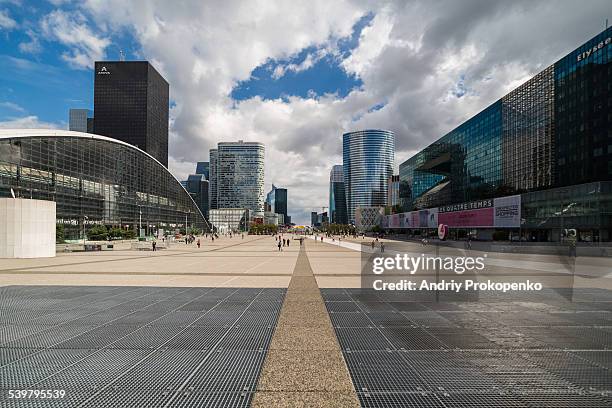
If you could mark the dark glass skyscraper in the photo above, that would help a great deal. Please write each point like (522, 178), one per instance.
(203, 168)
(337, 196)
(276, 201)
(131, 104)
(197, 186)
(368, 163)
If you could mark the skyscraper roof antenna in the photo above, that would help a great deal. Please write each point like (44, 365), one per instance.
(122, 55)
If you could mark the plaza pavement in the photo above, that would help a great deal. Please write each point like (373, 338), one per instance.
(317, 332)
(227, 262)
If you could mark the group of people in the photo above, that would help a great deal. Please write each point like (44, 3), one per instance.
(282, 242)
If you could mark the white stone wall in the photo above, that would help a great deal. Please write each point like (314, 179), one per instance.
(27, 228)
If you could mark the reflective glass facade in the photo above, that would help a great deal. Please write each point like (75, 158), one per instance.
(197, 187)
(203, 168)
(212, 180)
(337, 196)
(276, 201)
(93, 180)
(240, 176)
(131, 104)
(367, 164)
(554, 130)
(549, 140)
(80, 120)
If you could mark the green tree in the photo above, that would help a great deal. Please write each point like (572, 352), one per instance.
(97, 233)
(59, 234)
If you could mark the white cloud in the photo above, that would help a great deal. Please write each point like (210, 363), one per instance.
(33, 46)
(12, 106)
(6, 22)
(72, 30)
(27, 122)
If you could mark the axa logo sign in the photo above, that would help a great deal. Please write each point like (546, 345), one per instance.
(593, 50)
(103, 71)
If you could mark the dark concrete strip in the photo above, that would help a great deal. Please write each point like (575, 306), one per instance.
(304, 366)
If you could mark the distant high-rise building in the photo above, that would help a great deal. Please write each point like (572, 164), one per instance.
(337, 196)
(204, 169)
(197, 186)
(276, 202)
(313, 219)
(393, 191)
(368, 164)
(80, 120)
(131, 103)
(212, 178)
(240, 176)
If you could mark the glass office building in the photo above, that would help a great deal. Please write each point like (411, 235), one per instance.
(131, 103)
(240, 176)
(94, 180)
(203, 168)
(337, 196)
(80, 120)
(197, 186)
(548, 140)
(276, 202)
(367, 165)
(212, 180)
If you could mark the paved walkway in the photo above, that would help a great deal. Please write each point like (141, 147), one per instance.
(250, 262)
(304, 366)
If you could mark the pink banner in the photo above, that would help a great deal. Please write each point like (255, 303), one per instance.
(483, 217)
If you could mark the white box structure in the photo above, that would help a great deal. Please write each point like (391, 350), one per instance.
(27, 228)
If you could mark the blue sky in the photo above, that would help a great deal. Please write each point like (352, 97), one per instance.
(38, 81)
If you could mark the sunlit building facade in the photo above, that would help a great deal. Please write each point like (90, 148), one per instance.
(367, 166)
(240, 176)
(549, 141)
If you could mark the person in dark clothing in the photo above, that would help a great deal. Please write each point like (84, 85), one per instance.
(154, 245)
(280, 248)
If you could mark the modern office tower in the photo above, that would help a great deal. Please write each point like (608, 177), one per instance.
(240, 176)
(545, 147)
(313, 219)
(80, 120)
(212, 180)
(337, 196)
(204, 169)
(367, 165)
(131, 104)
(393, 191)
(197, 187)
(276, 201)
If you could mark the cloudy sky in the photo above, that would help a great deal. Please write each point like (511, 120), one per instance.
(292, 74)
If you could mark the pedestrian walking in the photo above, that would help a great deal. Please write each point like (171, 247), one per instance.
(373, 244)
(198, 242)
(382, 247)
(154, 244)
(280, 248)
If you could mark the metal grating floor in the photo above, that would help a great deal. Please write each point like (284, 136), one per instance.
(539, 351)
(135, 346)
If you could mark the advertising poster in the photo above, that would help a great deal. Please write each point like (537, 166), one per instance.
(482, 217)
(508, 211)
